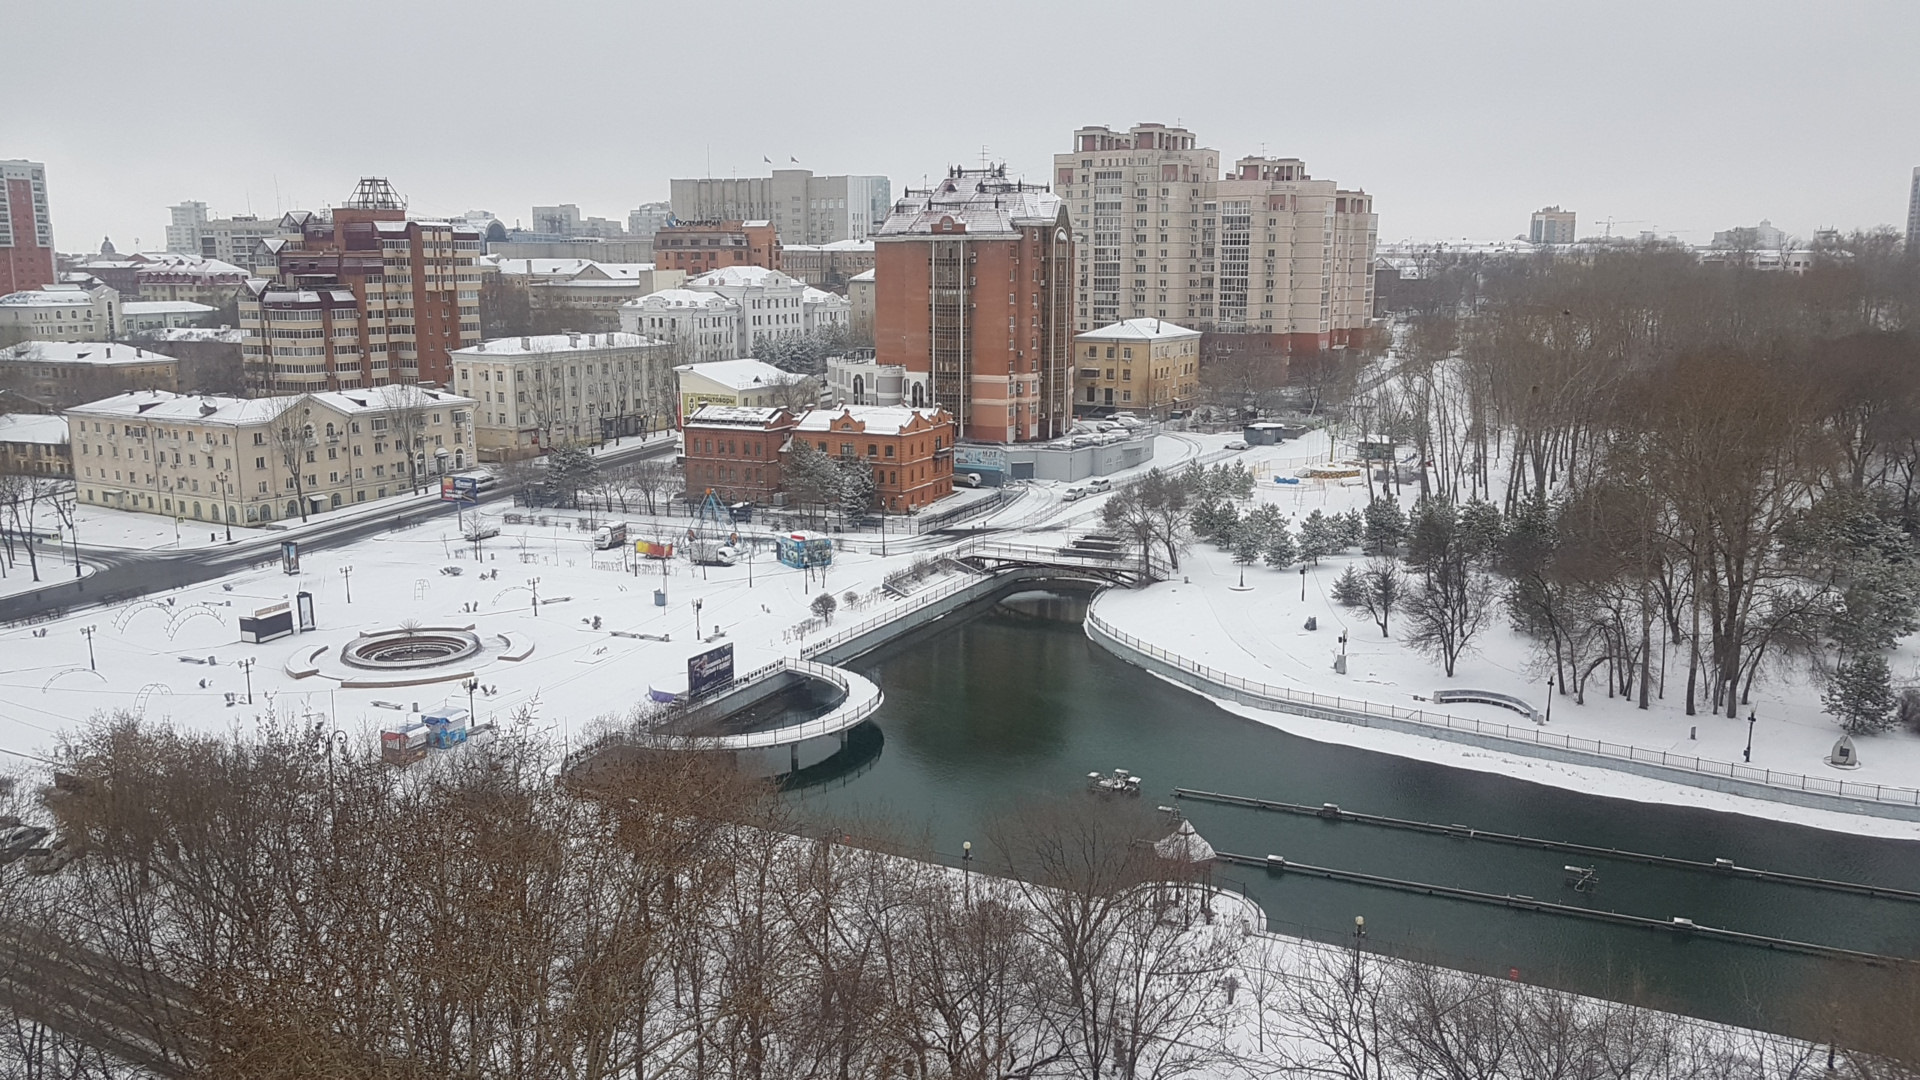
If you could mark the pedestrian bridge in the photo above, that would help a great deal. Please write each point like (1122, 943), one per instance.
(1094, 557)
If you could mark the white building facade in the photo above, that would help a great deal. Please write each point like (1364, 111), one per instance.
(63, 312)
(806, 209)
(698, 326)
(542, 391)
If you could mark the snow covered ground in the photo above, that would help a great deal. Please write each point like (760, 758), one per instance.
(1260, 634)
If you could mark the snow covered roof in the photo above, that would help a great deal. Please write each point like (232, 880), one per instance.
(543, 267)
(32, 428)
(743, 374)
(49, 296)
(681, 298)
(161, 405)
(165, 307)
(812, 295)
(734, 415)
(1185, 845)
(83, 352)
(983, 207)
(864, 275)
(542, 344)
(837, 245)
(224, 335)
(879, 419)
(749, 276)
(1138, 330)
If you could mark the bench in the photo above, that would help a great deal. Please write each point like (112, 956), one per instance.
(1489, 697)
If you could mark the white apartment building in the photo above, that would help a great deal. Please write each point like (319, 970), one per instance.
(804, 208)
(773, 305)
(237, 239)
(852, 381)
(1552, 225)
(248, 461)
(583, 282)
(543, 391)
(66, 312)
(1266, 249)
(697, 326)
(648, 218)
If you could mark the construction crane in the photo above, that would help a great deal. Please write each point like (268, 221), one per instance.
(1611, 222)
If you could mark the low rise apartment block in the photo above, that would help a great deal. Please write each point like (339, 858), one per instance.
(249, 461)
(64, 373)
(549, 390)
(1140, 365)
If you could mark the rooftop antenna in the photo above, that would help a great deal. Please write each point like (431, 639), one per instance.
(984, 156)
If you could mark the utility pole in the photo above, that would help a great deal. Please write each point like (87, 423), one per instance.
(534, 584)
(247, 666)
(346, 574)
(88, 631)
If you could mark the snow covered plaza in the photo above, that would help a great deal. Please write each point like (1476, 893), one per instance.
(597, 641)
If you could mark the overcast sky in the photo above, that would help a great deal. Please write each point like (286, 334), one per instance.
(1461, 117)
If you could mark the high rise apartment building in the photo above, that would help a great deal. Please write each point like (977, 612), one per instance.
(1002, 368)
(26, 228)
(806, 209)
(1265, 249)
(1913, 217)
(1551, 225)
(237, 240)
(362, 297)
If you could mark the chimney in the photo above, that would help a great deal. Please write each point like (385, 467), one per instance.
(526, 344)
(573, 340)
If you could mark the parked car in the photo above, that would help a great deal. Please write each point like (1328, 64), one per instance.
(971, 479)
(1075, 494)
(1236, 444)
(1098, 484)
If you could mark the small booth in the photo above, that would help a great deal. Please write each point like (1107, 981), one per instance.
(800, 550)
(269, 623)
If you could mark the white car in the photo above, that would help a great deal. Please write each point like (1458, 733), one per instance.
(1237, 444)
(1075, 494)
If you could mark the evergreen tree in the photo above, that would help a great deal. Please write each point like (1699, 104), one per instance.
(1319, 537)
(1352, 529)
(1860, 696)
(1349, 589)
(1280, 551)
(858, 491)
(1385, 526)
(1244, 543)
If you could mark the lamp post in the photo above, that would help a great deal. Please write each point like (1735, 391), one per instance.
(346, 575)
(1549, 718)
(88, 631)
(1752, 717)
(1359, 939)
(226, 509)
(534, 584)
(470, 686)
(966, 870)
(696, 619)
(247, 666)
(1303, 583)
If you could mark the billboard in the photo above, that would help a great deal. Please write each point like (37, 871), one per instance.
(290, 556)
(464, 489)
(653, 549)
(709, 670)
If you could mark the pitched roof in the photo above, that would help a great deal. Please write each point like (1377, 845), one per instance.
(540, 344)
(1138, 330)
(83, 352)
(32, 428)
(742, 374)
(879, 419)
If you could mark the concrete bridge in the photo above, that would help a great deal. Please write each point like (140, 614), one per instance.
(1104, 559)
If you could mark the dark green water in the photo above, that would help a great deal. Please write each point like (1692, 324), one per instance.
(1016, 703)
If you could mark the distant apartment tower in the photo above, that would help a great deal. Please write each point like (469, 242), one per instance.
(361, 297)
(699, 247)
(1913, 217)
(565, 221)
(805, 208)
(237, 240)
(26, 228)
(1551, 225)
(1267, 249)
(1001, 368)
(649, 218)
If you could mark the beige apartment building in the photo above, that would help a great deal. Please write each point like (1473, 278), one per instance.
(1140, 365)
(248, 461)
(1265, 249)
(63, 373)
(542, 391)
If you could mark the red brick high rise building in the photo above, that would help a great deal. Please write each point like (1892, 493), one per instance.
(26, 228)
(975, 294)
(364, 297)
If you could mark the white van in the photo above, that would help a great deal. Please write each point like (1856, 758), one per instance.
(1099, 484)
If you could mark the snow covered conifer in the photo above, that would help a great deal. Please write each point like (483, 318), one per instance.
(1861, 694)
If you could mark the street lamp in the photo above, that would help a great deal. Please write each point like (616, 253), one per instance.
(470, 686)
(966, 869)
(1752, 717)
(247, 666)
(226, 510)
(89, 631)
(696, 619)
(346, 574)
(1549, 718)
(1359, 939)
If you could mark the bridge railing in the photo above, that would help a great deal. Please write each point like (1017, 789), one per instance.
(1359, 710)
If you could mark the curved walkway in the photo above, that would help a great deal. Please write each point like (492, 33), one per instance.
(861, 699)
(1826, 793)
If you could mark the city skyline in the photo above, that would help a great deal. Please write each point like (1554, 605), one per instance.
(1456, 122)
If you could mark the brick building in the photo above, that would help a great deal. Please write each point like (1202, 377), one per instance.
(700, 247)
(26, 228)
(911, 450)
(734, 451)
(364, 297)
(1002, 368)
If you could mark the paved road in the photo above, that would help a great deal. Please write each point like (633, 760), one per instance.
(121, 574)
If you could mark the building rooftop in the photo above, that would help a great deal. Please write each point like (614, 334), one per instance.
(738, 276)
(224, 335)
(730, 415)
(49, 296)
(544, 344)
(680, 298)
(33, 428)
(165, 307)
(1138, 330)
(83, 352)
(879, 419)
(864, 275)
(984, 202)
(219, 409)
(837, 245)
(743, 374)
